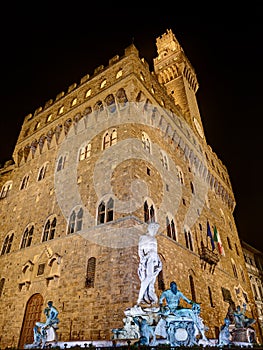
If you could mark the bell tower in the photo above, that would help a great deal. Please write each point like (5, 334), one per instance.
(176, 73)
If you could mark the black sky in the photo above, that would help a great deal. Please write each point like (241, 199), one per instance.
(46, 48)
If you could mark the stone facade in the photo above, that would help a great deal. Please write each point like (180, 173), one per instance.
(123, 147)
(254, 265)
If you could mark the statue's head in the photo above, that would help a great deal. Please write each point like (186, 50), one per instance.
(153, 227)
(173, 287)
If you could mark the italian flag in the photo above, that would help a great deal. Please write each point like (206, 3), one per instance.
(217, 240)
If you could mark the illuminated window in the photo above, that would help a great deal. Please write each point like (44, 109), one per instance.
(141, 76)
(49, 117)
(88, 93)
(119, 74)
(84, 152)
(74, 101)
(37, 126)
(109, 139)
(61, 110)
(103, 83)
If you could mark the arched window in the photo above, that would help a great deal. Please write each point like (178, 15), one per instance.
(188, 239)
(121, 98)
(2, 283)
(234, 268)
(192, 187)
(91, 269)
(149, 212)
(6, 189)
(146, 142)
(192, 287)
(75, 221)
(110, 103)
(170, 228)
(85, 151)
(24, 182)
(109, 139)
(42, 172)
(7, 244)
(210, 297)
(105, 212)
(49, 229)
(180, 175)
(27, 237)
(98, 107)
(160, 280)
(61, 162)
(242, 274)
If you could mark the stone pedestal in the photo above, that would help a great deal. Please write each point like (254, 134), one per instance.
(243, 335)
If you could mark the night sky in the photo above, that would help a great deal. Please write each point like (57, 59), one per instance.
(47, 48)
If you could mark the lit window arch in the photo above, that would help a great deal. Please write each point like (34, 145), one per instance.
(109, 138)
(49, 118)
(37, 125)
(119, 73)
(103, 83)
(85, 151)
(61, 110)
(88, 93)
(74, 101)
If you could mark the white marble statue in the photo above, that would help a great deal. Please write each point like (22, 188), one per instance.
(150, 265)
